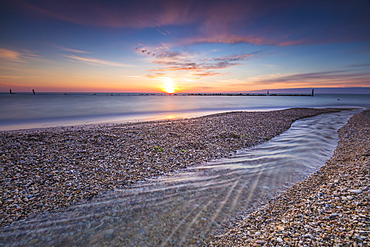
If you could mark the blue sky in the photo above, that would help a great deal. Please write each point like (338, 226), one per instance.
(183, 46)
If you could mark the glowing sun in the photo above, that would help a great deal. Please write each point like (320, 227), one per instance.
(168, 86)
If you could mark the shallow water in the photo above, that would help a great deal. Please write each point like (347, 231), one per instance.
(185, 207)
(24, 111)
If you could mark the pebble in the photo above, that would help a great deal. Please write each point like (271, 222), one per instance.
(355, 191)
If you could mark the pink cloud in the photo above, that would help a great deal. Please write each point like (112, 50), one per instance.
(95, 61)
(205, 74)
(7, 55)
(12, 56)
(156, 75)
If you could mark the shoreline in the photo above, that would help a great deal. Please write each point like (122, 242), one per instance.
(51, 169)
(90, 122)
(329, 208)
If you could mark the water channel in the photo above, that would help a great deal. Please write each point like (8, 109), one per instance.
(184, 208)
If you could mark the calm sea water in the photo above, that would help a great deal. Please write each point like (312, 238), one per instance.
(23, 111)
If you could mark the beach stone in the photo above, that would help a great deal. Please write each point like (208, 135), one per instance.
(333, 216)
(34, 241)
(279, 239)
(108, 237)
(356, 191)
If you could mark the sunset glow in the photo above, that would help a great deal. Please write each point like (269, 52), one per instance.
(168, 86)
(208, 46)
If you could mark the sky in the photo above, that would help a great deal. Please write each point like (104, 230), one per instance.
(183, 46)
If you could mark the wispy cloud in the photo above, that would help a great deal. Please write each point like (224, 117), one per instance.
(70, 50)
(10, 77)
(10, 55)
(157, 75)
(95, 61)
(198, 75)
(228, 38)
(16, 77)
(322, 78)
(13, 56)
(314, 76)
(357, 65)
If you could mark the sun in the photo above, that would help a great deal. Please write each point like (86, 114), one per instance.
(168, 86)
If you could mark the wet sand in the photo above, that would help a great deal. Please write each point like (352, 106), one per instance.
(329, 208)
(50, 169)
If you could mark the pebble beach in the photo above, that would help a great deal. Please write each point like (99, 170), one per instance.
(47, 170)
(329, 208)
(53, 168)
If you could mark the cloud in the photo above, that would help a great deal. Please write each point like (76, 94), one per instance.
(157, 75)
(70, 50)
(228, 38)
(176, 63)
(326, 75)
(16, 56)
(16, 77)
(234, 58)
(357, 65)
(281, 23)
(95, 61)
(190, 64)
(335, 77)
(11, 55)
(205, 74)
(10, 77)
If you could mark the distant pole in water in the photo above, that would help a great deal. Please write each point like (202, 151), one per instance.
(10, 91)
(33, 91)
(313, 92)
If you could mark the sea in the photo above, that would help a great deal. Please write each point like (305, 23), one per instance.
(41, 110)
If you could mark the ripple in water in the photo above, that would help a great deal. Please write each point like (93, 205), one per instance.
(184, 208)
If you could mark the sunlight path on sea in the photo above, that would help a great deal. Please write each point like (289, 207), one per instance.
(183, 208)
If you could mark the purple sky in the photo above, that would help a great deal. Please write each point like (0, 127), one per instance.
(186, 46)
